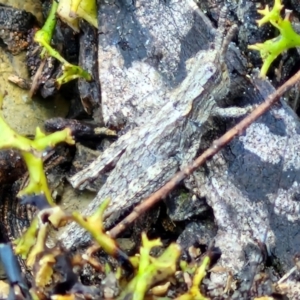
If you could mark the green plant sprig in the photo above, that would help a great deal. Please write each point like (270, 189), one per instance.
(194, 293)
(71, 10)
(148, 270)
(288, 38)
(94, 225)
(44, 36)
(32, 153)
(151, 270)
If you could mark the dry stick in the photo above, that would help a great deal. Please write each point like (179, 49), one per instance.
(38, 74)
(216, 146)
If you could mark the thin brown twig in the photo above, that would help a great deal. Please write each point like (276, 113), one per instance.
(35, 80)
(216, 146)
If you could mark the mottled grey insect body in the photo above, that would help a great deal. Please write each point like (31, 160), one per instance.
(145, 158)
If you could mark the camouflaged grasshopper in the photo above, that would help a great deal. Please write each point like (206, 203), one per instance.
(145, 158)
